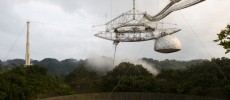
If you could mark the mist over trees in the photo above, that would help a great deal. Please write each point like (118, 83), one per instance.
(170, 64)
(207, 78)
(101, 65)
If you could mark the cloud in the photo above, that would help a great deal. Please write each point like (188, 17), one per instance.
(9, 20)
(152, 69)
(63, 29)
(70, 6)
(105, 64)
(100, 64)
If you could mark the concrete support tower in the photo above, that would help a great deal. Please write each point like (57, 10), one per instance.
(27, 56)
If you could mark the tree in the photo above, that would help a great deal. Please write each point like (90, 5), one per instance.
(224, 38)
(68, 65)
(83, 81)
(170, 64)
(1, 70)
(58, 68)
(127, 77)
(53, 65)
(208, 77)
(26, 83)
(15, 62)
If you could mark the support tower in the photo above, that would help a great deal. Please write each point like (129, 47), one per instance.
(27, 56)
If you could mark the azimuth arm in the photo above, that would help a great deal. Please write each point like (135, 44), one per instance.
(174, 5)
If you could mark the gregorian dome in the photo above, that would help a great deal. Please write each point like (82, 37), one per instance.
(167, 44)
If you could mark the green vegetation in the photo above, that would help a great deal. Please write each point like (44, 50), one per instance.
(26, 83)
(224, 38)
(208, 78)
(171, 64)
(200, 77)
(134, 78)
(84, 81)
(54, 66)
(61, 68)
(1, 70)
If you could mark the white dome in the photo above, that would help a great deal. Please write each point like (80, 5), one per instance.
(167, 44)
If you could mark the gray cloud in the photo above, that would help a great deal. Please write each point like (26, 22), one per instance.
(69, 6)
(63, 29)
(9, 20)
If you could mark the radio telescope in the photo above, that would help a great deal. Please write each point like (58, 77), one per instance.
(137, 26)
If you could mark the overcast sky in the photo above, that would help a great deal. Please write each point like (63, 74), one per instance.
(63, 29)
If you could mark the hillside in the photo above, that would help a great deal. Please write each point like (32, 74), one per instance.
(100, 64)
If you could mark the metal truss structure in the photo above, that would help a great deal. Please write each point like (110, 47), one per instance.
(136, 26)
(136, 35)
(132, 26)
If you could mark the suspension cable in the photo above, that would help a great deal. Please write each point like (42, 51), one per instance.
(202, 44)
(111, 93)
(14, 42)
(115, 50)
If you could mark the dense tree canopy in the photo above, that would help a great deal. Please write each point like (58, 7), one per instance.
(83, 80)
(53, 65)
(224, 38)
(199, 77)
(101, 65)
(1, 70)
(26, 83)
(68, 65)
(16, 62)
(127, 77)
(170, 64)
